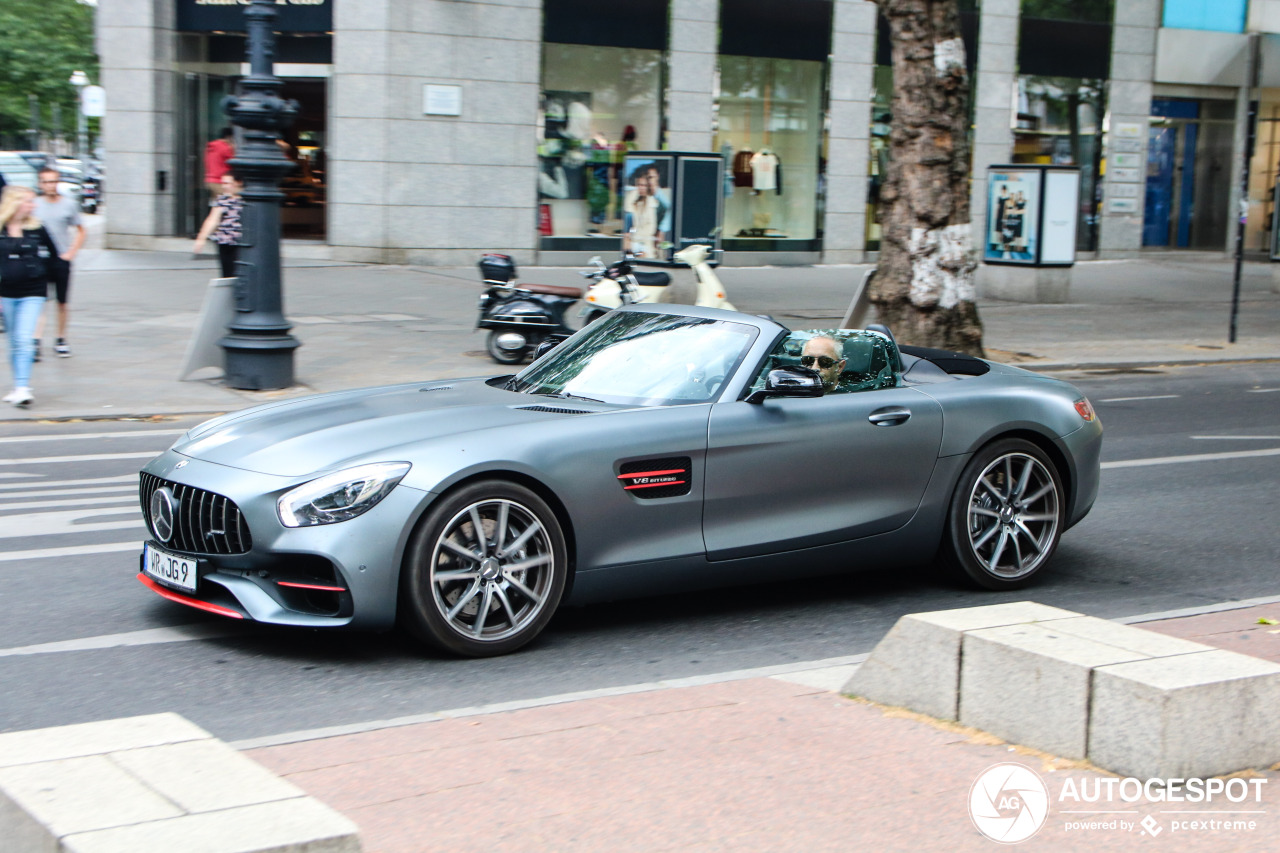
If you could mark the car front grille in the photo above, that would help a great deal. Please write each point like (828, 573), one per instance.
(204, 522)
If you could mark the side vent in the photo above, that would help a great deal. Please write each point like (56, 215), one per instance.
(657, 478)
(552, 410)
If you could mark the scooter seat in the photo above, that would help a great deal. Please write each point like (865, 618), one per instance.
(553, 290)
(652, 279)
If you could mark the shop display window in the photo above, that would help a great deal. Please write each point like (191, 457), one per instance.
(597, 103)
(769, 129)
(1059, 123)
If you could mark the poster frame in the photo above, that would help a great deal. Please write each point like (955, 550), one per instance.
(1037, 215)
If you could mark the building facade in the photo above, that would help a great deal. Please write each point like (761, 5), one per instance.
(430, 131)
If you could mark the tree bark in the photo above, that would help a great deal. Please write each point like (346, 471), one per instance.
(923, 289)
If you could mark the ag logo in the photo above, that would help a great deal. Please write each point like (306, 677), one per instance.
(1008, 803)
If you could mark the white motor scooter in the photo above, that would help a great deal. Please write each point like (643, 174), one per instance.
(619, 284)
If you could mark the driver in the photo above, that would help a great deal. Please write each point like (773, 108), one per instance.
(824, 354)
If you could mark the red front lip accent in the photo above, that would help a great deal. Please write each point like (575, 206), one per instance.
(320, 587)
(187, 600)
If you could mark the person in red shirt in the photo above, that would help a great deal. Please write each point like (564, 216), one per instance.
(216, 155)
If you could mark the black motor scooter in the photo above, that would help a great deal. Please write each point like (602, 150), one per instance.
(519, 316)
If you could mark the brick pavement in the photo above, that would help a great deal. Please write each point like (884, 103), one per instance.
(758, 764)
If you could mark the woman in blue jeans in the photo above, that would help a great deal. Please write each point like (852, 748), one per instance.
(25, 250)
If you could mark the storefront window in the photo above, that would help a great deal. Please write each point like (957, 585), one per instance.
(1059, 123)
(770, 107)
(597, 104)
(770, 132)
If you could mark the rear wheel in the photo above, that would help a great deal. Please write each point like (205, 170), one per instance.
(1005, 517)
(486, 570)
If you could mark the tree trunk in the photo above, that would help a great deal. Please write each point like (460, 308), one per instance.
(923, 289)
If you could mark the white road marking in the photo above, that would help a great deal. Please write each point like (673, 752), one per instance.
(1199, 457)
(148, 637)
(56, 484)
(70, 551)
(1131, 399)
(93, 457)
(61, 523)
(118, 500)
(1262, 390)
(58, 493)
(1236, 437)
(23, 439)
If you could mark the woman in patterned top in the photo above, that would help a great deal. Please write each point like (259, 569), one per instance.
(223, 223)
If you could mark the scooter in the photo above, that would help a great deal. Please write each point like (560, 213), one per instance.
(519, 316)
(619, 284)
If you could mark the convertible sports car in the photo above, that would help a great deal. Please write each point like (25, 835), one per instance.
(661, 448)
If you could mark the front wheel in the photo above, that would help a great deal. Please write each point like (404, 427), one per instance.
(508, 347)
(485, 571)
(1006, 515)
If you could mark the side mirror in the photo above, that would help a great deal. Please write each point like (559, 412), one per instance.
(789, 382)
(547, 344)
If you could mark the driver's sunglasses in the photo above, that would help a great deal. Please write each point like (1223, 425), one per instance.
(826, 362)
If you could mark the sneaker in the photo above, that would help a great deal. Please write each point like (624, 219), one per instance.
(12, 396)
(36, 341)
(21, 397)
(62, 348)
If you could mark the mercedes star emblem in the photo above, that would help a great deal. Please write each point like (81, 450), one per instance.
(163, 512)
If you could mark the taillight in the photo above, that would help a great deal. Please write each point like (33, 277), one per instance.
(1085, 409)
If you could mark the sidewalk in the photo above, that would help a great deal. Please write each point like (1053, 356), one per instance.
(745, 764)
(133, 314)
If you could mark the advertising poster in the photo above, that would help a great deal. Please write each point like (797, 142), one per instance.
(1061, 209)
(647, 206)
(1013, 214)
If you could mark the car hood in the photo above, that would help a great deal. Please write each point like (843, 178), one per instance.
(331, 431)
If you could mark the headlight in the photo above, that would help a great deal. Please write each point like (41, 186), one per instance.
(340, 496)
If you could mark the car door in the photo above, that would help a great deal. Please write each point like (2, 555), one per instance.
(796, 473)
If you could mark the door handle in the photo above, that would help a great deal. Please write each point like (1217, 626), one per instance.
(891, 416)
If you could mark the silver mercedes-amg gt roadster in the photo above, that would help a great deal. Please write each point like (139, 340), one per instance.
(662, 448)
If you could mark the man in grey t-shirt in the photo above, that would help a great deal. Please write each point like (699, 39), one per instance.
(61, 218)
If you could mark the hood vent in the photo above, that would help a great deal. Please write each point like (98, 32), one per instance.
(553, 410)
(436, 388)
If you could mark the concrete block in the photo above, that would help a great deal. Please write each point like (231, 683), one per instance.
(917, 664)
(1029, 684)
(1202, 714)
(293, 826)
(205, 775)
(151, 785)
(1128, 637)
(1024, 284)
(96, 738)
(82, 795)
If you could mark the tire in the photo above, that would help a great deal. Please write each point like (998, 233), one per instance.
(1006, 515)
(481, 599)
(505, 356)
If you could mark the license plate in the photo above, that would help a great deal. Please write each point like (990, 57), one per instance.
(169, 569)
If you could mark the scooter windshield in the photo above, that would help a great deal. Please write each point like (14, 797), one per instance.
(641, 359)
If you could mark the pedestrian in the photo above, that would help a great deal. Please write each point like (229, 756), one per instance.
(60, 217)
(216, 154)
(223, 223)
(25, 250)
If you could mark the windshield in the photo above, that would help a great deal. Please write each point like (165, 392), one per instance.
(641, 359)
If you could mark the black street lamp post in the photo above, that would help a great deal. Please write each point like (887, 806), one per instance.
(258, 345)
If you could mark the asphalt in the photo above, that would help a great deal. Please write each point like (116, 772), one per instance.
(772, 760)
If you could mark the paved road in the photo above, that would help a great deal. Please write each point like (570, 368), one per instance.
(1192, 525)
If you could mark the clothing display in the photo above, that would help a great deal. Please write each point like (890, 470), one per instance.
(765, 170)
(742, 175)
